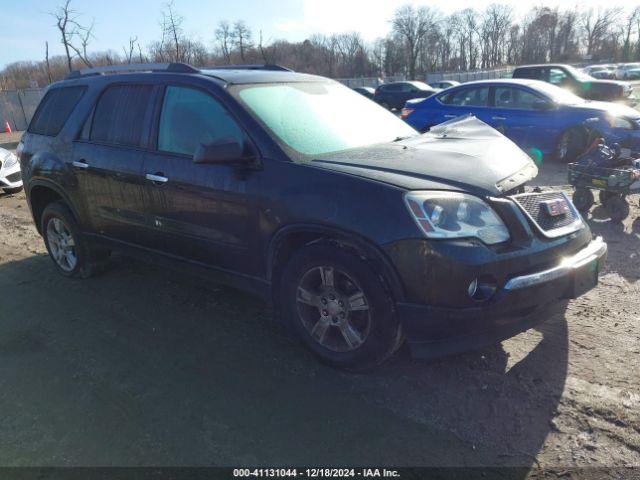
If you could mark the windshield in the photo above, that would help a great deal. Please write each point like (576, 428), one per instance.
(578, 75)
(321, 117)
(558, 95)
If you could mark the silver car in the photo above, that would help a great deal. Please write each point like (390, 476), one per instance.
(10, 176)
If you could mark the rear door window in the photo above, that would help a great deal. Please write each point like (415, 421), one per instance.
(54, 110)
(510, 97)
(122, 115)
(191, 117)
(467, 97)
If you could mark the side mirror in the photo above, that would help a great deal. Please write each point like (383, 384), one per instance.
(543, 105)
(225, 150)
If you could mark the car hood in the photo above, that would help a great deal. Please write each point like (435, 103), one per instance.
(613, 109)
(463, 154)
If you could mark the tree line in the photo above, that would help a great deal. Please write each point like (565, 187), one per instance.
(421, 40)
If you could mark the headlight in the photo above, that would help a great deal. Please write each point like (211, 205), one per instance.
(619, 122)
(10, 160)
(456, 215)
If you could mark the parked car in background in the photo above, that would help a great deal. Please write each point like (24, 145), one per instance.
(294, 187)
(368, 92)
(540, 118)
(395, 94)
(574, 80)
(10, 176)
(442, 84)
(606, 72)
(628, 71)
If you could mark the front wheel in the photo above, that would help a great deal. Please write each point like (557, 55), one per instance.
(339, 307)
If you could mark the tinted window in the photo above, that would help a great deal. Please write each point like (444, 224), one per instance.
(393, 87)
(468, 97)
(526, 73)
(121, 115)
(54, 110)
(508, 97)
(191, 117)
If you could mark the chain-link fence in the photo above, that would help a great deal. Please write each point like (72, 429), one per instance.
(17, 107)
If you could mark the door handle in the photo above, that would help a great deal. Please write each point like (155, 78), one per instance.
(498, 118)
(157, 177)
(80, 164)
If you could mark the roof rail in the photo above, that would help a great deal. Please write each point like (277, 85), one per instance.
(133, 67)
(266, 66)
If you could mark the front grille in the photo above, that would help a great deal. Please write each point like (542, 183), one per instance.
(550, 226)
(14, 177)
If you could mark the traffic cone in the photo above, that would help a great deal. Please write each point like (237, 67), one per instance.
(7, 127)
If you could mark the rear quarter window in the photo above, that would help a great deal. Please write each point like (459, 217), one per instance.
(531, 73)
(54, 110)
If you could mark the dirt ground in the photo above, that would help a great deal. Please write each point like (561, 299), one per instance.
(142, 366)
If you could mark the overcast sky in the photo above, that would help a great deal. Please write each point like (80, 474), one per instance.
(26, 24)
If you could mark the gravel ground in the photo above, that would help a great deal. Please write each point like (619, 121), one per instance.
(142, 366)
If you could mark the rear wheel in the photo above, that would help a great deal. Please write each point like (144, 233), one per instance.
(339, 307)
(71, 252)
(570, 144)
(605, 196)
(583, 199)
(617, 208)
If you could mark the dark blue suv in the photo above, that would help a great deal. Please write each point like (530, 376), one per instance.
(394, 95)
(359, 230)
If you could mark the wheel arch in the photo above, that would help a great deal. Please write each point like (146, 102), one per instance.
(289, 239)
(41, 193)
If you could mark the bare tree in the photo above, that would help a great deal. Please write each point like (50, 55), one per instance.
(128, 52)
(46, 57)
(596, 25)
(223, 38)
(413, 25)
(64, 23)
(241, 37)
(172, 26)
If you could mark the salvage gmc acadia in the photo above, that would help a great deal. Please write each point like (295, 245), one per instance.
(362, 231)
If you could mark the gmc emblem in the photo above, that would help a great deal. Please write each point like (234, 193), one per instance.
(555, 207)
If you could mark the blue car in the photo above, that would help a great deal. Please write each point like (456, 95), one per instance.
(542, 119)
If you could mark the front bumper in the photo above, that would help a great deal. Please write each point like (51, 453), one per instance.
(10, 177)
(522, 302)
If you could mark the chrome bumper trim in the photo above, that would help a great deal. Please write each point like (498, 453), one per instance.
(596, 249)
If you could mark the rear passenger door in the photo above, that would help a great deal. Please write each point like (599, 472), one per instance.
(201, 212)
(110, 154)
(466, 101)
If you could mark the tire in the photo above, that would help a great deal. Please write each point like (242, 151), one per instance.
(11, 191)
(605, 196)
(617, 208)
(570, 144)
(70, 251)
(338, 306)
(583, 200)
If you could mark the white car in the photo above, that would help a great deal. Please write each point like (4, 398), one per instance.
(628, 71)
(10, 176)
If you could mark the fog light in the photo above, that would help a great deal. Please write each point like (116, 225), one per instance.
(473, 287)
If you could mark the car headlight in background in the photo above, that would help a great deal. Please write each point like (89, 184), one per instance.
(9, 160)
(456, 215)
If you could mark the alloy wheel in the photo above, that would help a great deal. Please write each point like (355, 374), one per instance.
(62, 245)
(333, 309)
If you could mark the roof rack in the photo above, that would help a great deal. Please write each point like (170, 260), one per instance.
(133, 67)
(266, 66)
